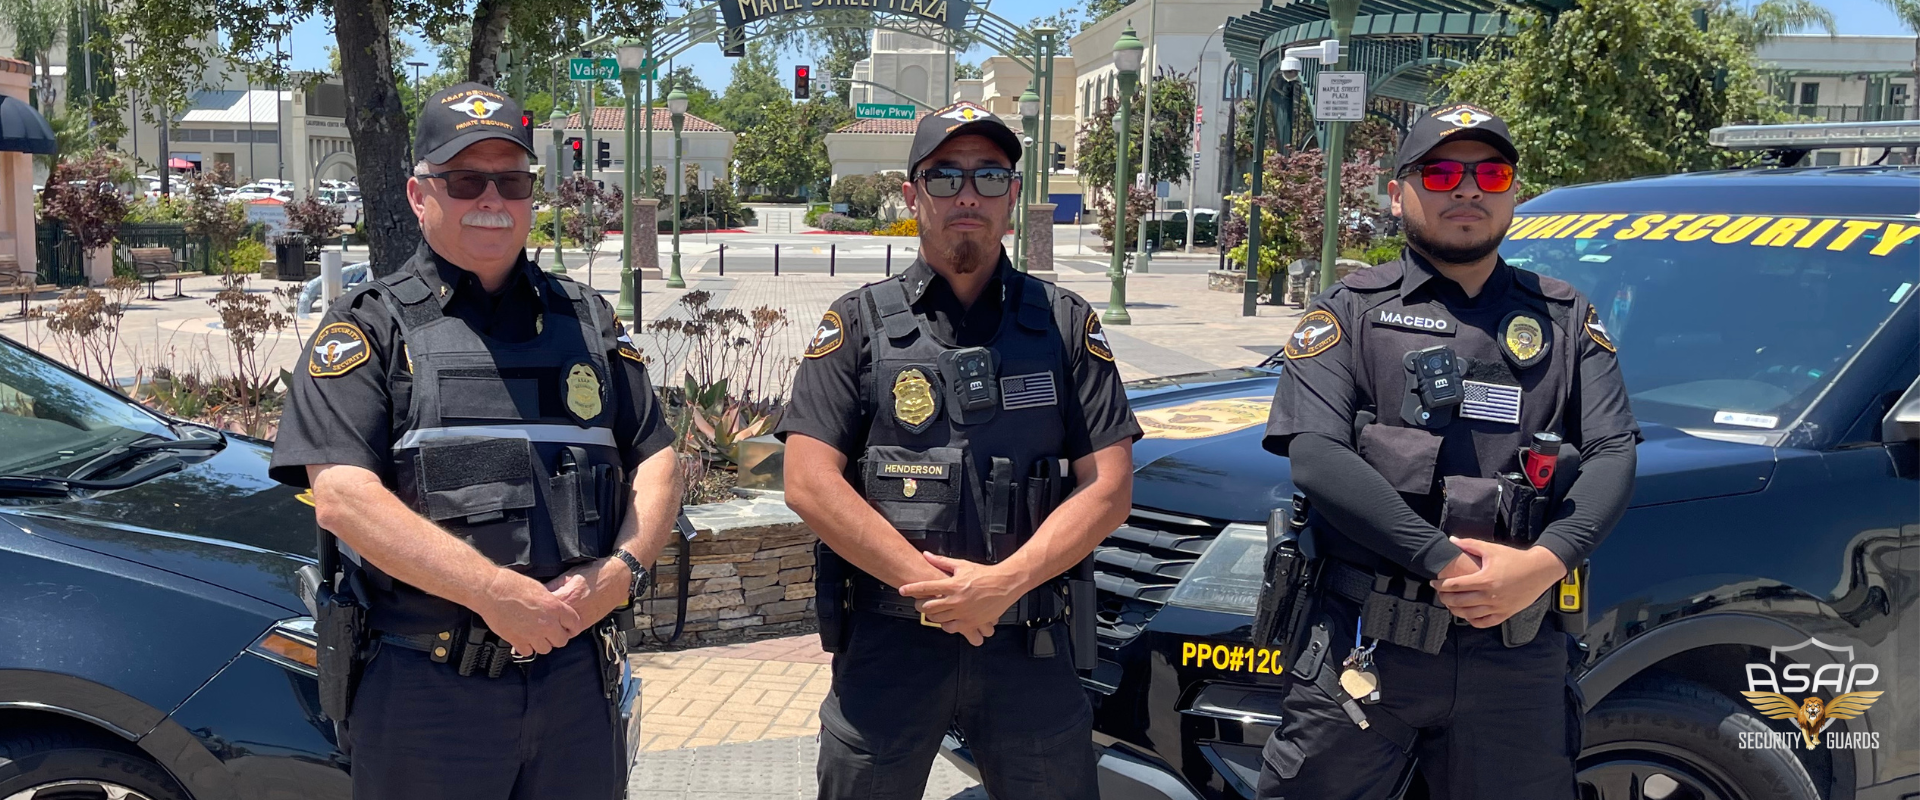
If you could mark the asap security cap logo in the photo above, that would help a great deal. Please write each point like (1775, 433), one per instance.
(1792, 692)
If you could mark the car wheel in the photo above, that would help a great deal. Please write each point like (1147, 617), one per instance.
(1671, 739)
(63, 765)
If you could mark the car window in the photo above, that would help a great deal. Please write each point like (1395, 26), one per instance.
(50, 419)
(1722, 321)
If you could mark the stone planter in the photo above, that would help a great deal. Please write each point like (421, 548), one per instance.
(749, 573)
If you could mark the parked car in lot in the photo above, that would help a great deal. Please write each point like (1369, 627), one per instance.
(1770, 339)
(347, 201)
(1168, 229)
(153, 644)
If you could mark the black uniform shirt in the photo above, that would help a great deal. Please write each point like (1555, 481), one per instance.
(826, 389)
(356, 416)
(1319, 394)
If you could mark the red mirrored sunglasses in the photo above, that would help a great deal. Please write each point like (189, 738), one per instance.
(1492, 177)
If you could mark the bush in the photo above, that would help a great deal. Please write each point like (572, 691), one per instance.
(865, 194)
(905, 227)
(841, 223)
(159, 209)
(243, 258)
(1384, 249)
(698, 224)
(815, 211)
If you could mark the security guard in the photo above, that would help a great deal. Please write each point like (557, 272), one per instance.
(482, 438)
(1424, 404)
(930, 420)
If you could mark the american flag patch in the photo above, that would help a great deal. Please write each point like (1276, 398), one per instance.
(1027, 391)
(1492, 402)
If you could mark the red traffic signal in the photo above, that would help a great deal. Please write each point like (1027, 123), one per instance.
(802, 80)
(526, 120)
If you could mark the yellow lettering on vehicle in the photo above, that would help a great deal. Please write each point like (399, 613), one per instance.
(1604, 223)
(1525, 226)
(1186, 652)
(1667, 228)
(1897, 234)
(1578, 223)
(1231, 658)
(1852, 231)
(1700, 228)
(1639, 227)
(1741, 227)
(1781, 232)
(1551, 228)
(1813, 235)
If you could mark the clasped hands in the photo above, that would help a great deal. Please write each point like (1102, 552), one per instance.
(538, 618)
(1490, 582)
(969, 601)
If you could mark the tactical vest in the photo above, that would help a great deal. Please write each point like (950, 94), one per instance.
(948, 479)
(509, 446)
(1518, 356)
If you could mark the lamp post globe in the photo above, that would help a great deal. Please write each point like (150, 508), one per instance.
(629, 54)
(1127, 54)
(677, 107)
(558, 122)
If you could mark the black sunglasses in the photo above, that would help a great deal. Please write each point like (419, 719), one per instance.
(466, 184)
(987, 181)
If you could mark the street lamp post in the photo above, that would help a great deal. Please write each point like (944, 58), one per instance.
(677, 107)
(1127, 54)
(1029, 117)
(630, 54)
(416, 65)
(558, 122)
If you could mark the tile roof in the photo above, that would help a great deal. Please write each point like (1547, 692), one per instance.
(899, 126)
(615, 118)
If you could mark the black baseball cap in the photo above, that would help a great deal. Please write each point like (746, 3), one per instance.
(456, 117)
(960, 119)
(1453, 123)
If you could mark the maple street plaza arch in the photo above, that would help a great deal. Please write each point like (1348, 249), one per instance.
(1404, 47)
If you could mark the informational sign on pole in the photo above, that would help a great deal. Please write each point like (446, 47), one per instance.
(1196, 137)
(1340, 97)
(882, 111)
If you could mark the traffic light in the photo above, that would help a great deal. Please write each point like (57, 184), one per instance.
(526, 121)
(603, 154)
(573, 144)
(1059, 157)
(802, 76)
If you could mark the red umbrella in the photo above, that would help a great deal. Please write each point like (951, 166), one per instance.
(179, 163)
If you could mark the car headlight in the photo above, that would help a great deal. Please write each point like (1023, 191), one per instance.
(1227, 577)
(290, 643)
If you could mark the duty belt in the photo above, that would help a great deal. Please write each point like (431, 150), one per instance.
(870, 594)
(485, 653)
(1398, 617)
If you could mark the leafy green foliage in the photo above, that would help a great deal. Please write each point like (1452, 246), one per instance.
(1172, 121)
(84, 193)
(755, 93)
(701, 101)
(865, 194)
(36, 24)
(963, 70)
(786, 153)
(1067, 21)
(1101, 9)
(1619, 89)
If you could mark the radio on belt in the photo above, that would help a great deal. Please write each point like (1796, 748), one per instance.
(1433, 387)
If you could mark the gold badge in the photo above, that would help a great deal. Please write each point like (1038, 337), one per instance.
(583, 391)
(337, 349)
(909, 487)
(1317, 333)
(1523, 339)
(914, 404)
(1204, 419)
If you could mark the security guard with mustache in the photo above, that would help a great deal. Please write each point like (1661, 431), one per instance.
(930, 422)
(482, 439)
(1461, 436)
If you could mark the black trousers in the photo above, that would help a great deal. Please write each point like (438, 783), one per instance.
(1493, 721)
(542, 730)
(899, 686)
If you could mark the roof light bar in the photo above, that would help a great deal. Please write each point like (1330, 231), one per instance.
(1814, 136)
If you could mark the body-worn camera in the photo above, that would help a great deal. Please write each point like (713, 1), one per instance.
(973, 389)
(1433, 387)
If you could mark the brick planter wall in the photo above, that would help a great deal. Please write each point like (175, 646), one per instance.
(750, 576)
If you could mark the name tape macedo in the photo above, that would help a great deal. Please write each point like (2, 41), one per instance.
(1877, 236)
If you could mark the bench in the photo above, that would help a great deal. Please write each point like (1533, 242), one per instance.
(15, 281)
(156, 264)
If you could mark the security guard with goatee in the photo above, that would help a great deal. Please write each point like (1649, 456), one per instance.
(481, 438)
(1460, 434)
(959, 438)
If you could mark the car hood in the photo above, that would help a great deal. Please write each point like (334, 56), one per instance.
(1201, 455)
(220, 520)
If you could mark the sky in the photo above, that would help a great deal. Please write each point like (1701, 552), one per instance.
(714, 70)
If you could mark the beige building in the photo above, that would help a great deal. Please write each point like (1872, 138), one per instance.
(298, 135)
(872, 145)
(902, 68)
(1821, 78)
(705, 144)
(16, 174)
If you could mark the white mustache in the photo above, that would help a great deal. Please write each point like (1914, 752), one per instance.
(480, 218)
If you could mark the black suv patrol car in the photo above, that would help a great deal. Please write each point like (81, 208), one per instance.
(1768, 334)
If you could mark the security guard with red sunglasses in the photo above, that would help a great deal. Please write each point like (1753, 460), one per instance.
(482, 439)
(1461, 437)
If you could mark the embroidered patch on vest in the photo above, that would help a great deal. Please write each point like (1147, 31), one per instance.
(1491, 402)
(1097, 343)
(1440, 326)
(338, 349)
(915, 403)
(1598, 331)
(624, 347)
(1028, 391)
(1524, 339)
(905, 469)
(582, 391)
(1318, 332)
(827, 337)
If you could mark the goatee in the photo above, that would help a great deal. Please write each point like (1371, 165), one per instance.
(1420, 239)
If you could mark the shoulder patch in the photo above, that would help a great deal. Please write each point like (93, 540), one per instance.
(828, 336)
(623, 345)
(1318, 331)
(338, 348)
(1598, 331)
(1374, 278)
(1096, 338)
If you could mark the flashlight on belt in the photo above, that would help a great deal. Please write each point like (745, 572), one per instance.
(1540, 458)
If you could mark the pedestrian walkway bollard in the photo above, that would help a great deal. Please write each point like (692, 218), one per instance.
(833, 255)
(723, 259)
(776, 261)
(330, 281)
(889, 261)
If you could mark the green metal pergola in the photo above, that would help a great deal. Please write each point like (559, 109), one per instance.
(1405, 47)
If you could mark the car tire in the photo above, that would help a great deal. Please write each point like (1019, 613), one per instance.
(1664, 738)
(67, 765)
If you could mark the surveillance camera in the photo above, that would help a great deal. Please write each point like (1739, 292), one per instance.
(1027, 140)
(1290, 68)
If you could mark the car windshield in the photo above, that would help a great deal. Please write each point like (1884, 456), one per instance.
(52, 421)
(1727, 322)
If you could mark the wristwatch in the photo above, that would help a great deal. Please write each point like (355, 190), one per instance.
(642, 579)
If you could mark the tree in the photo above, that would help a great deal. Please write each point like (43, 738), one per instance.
(1768, 19)
(211, 215)
(1067, 21)
(838, 49)
(1098, 10)
(773, 154)
(866, 194)
(963, 70)
(103, 102)
(700, 100)
(1172, 121)
(84, 194)
(1618, 89)
(36, 24)
(1294, 204)
(754, 92)
(590, 210)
